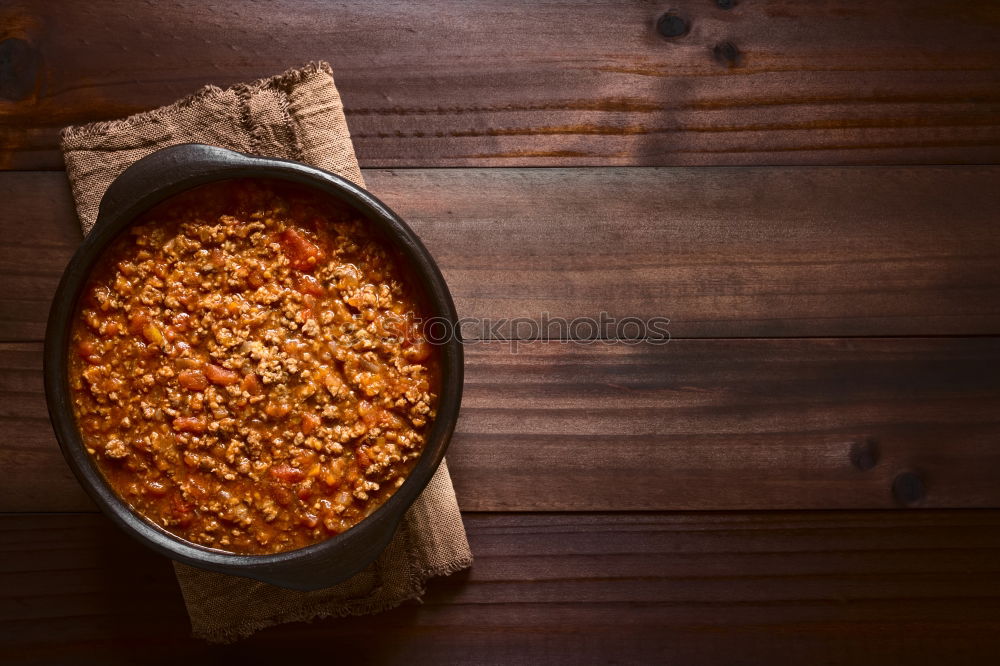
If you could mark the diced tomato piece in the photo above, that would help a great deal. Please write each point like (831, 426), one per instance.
(219, 375)
(181, 510)
(281, 494)
(190, 424)
(362, 457)
(294, 347)
(95, 294)
(277, 409)
(178, 505)
(305, 492)
(388, 419)
(309, 519)
(309, 422)
(301, 252)
(192, 380)
(86, 348)
(369, 413)
(287, 473)
(137, 322)
(251, 384)
(307, 284)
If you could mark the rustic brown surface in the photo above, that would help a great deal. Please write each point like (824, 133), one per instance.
(697, 588)
(693, 424)
(727, 252)
(783, 387)
(507, 82)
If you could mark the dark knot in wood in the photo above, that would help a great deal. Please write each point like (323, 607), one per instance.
(864, 454)
(18, 69)
(671, 26)
(726, 53)
(908, 488)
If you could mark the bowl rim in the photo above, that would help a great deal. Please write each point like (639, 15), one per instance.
(186, 167)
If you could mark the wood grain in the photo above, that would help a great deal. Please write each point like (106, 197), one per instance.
(871, 587)
(693, 424)
(508, 82)
(721, 252)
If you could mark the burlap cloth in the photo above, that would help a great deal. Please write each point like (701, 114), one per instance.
(297, 115)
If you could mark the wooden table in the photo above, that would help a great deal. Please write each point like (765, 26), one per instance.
(808, 472)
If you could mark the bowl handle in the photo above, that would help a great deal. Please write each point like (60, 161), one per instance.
(161, 171)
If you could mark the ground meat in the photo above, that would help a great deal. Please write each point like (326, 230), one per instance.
(248, 369)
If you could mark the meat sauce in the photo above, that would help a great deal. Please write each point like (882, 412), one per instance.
(247, 367)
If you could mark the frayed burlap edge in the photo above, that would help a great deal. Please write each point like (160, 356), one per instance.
(320, 610)
(71, 138)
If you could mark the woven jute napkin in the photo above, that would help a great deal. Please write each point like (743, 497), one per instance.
(296, 115)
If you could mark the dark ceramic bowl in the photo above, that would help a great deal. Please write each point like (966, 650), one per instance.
(151, 180)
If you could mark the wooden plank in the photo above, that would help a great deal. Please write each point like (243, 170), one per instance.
(693, 424)
(39, 232)
(833, 587)
(505, 83)
(722, 252)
